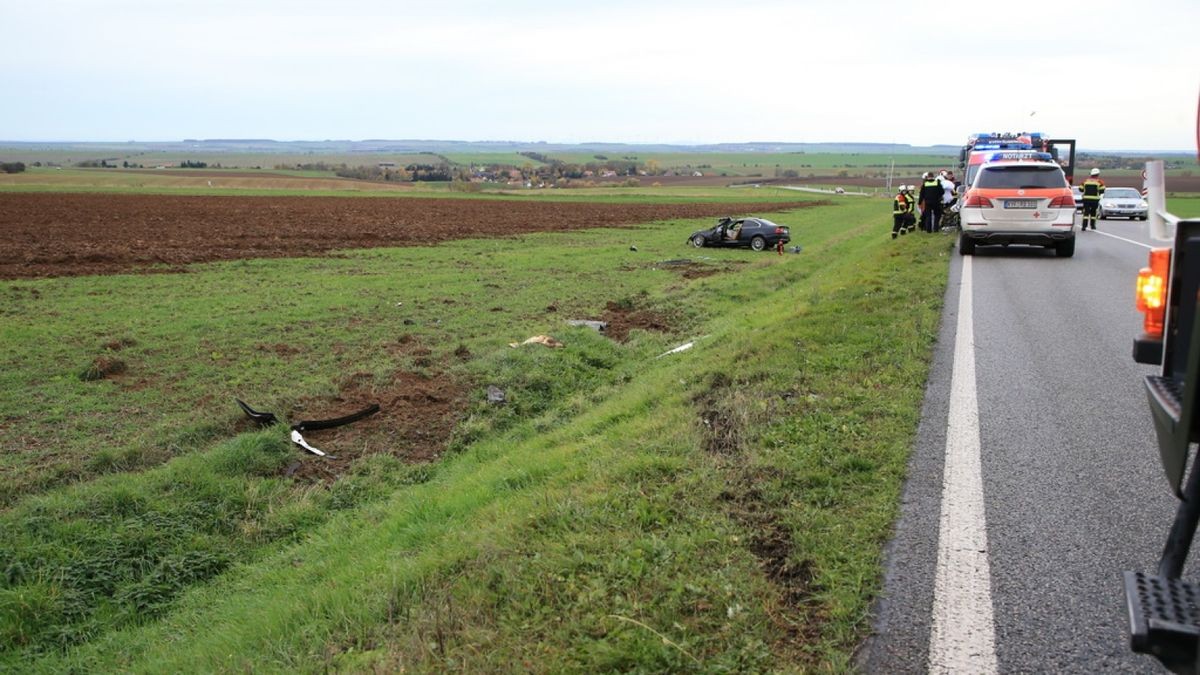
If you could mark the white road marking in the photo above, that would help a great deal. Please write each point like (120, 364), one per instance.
(1128, 241)
(962, 639)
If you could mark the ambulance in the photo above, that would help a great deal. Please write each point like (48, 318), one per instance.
(999, 146)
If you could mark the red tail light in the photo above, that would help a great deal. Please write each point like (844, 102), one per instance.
(780, 230)
(1152, 291)
(978, 202)
(1063, 202)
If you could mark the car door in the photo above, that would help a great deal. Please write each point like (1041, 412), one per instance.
(750, 228)
(738, 224)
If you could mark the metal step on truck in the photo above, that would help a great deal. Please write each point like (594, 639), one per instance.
(1164, 609)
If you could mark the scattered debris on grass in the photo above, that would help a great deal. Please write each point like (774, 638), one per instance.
(544, 340)
(417, 417)
(681, 348)
(299, 440)
(495, 395)
(313, 425)
(262, 419)
(268, 418)
(598, 326)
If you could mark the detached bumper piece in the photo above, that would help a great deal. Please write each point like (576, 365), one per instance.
(314, 425)
(1164, 619)
(262, 419)
(266, 419)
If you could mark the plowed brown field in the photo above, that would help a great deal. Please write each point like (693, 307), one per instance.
(43, 235)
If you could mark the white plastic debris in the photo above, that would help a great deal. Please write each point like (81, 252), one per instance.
(681, 348)
(544, 340)
(299, 440)
(598, 326)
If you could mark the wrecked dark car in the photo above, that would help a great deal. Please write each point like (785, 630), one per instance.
(756, 233)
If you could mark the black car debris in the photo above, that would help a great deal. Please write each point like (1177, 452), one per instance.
(756, 233)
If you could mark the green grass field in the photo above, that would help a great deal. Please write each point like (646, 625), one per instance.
(283, 184)
(1184, 206)
(721, 508)
(733, 164)
(765, 164)
(486, 158)
(150, 159)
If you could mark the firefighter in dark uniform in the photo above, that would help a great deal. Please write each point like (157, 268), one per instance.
(931, 202)
(910, 217)
(1093, 190)
(900, 207)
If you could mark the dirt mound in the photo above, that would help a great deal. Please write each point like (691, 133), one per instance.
(44, 235)
(417, 414)
(621, 319)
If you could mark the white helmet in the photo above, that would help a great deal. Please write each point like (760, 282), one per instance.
(1095, 172)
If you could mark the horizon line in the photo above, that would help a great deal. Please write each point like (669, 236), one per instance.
(539, 142)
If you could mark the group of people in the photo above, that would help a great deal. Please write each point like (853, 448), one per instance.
(937, 194)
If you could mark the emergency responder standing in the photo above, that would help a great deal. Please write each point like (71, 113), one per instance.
(1093, 190)
(931, 202)
(950, 187)
(910, 217)
(899, 209)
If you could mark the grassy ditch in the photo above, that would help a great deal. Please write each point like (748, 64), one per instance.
(721, 508)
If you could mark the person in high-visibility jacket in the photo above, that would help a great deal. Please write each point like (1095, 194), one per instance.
(931, 202)
(1093, 190)
(910, 218)
(900, 208)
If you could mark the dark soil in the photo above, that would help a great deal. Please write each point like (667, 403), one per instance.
(417, 414)
(692, 269)
(621, 320)
(47, 235)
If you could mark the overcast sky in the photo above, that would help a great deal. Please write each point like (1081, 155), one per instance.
(1115, 75)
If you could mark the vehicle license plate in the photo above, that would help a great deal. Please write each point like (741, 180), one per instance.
(1020, 203)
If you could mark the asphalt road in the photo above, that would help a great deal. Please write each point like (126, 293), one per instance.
(1072, 489)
